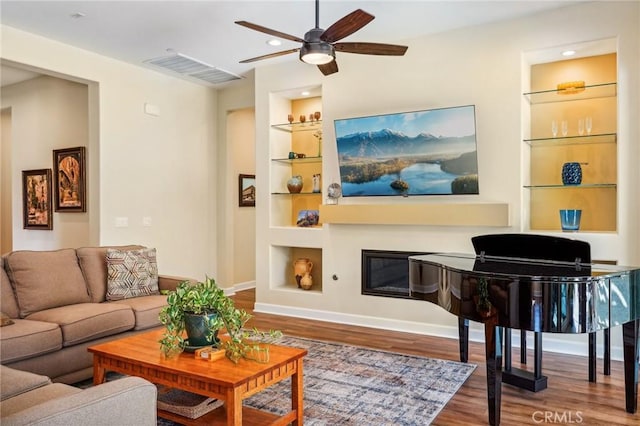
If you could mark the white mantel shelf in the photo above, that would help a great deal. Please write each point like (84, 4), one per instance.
(438, 214)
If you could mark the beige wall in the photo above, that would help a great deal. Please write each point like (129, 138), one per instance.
(239, 143)
(161, 167)
(6, 231)
(240, 139)
(47, 113)
(482, 66)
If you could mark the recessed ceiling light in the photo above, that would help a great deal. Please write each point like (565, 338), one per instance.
(568, 53)
(274, 42)
(77, 15)
(305, 93)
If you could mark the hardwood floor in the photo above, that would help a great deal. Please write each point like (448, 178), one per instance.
(569, 398)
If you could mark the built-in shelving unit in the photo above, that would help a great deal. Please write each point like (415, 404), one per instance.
(589, 138)
(294, 149)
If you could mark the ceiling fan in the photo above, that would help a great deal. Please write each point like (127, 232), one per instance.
(319, 46)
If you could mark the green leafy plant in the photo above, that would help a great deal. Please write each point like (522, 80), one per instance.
(207, 298)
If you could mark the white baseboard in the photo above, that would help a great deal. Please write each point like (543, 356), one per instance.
(551, 342)
(239, 287)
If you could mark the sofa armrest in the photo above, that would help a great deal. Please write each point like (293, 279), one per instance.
(126, 401)
(166, 282)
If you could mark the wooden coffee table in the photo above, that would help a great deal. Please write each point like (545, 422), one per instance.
(140, 356)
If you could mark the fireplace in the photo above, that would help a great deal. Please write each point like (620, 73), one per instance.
(386, 273)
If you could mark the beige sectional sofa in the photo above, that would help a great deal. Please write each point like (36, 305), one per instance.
(57, 303)
(32, 399)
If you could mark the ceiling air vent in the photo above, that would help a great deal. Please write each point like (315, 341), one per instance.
(193, 69)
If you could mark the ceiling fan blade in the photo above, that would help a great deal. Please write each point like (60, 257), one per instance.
(270, 55)
(371, 48)
(269, 31)
(329, 68)
(346, 26)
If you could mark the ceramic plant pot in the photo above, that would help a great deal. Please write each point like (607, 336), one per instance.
(197, 327)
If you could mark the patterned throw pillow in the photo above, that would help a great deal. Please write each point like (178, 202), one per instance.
(131, 273)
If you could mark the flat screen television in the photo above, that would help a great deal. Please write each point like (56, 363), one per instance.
(429, 152)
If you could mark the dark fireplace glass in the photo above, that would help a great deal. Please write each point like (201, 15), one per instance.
(386, 273)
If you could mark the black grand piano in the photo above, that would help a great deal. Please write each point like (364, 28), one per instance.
(536, 295)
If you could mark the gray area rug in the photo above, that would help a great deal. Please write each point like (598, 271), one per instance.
(350, 385)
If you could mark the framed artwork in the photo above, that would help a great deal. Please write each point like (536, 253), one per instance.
(308, 218)
(247, 190)
(69, 185)
(36, 197)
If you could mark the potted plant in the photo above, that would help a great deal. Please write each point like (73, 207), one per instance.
(202, 310)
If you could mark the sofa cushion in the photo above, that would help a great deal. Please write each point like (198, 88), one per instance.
(8, 303)
(45, 279)
(131, 273)
(27, 339)
(83, 322)
(14, 382)
(146, 310)
(35, 397)
(93, 262)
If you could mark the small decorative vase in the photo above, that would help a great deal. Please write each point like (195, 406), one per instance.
(302, 267)
(316, 182)
(571, 174)
(306, 282)
(294, 185)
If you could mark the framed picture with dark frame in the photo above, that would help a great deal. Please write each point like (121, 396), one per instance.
(247, 190)
(36, 198)
(69, 184)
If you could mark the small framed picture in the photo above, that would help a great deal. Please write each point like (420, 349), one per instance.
(69, 175)
(247, 190)
(36, 196)
(308, 218)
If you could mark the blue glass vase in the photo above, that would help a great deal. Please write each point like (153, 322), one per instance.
(571, 174)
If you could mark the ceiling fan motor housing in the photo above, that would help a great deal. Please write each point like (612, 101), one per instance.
(314, 50)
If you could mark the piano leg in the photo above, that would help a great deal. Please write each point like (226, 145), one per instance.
(507, 350)
(537, 362)
(607, 351)
(523, 347)
(463, 338)
(593, 361)
(493, 351)
(630, 335)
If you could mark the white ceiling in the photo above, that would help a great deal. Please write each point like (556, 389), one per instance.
(135, 31)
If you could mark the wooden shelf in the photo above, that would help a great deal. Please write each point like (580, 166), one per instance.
(441, 214)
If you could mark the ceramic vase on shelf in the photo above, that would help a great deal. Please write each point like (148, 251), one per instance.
(302, 267)
(294, 185)
(571, 174)
(306, 282)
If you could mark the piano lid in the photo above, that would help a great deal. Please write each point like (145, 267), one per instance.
(510, 267)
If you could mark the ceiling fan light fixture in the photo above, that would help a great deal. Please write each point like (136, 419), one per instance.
(317, 53)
